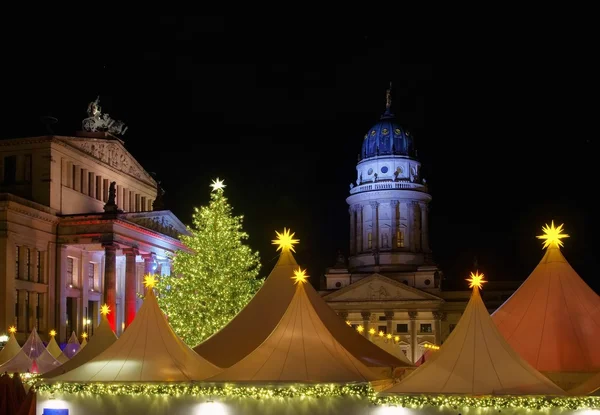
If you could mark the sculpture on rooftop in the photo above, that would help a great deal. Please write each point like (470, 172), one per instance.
(98, 122)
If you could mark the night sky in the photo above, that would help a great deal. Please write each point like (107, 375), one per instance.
(280, 115)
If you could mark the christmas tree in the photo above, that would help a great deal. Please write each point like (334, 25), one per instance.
(210, 285)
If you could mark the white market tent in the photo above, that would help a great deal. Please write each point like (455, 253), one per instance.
(476, 360)
(267, 307)
(10, 349)
(553, 319)
(148, 351)
(299, 349)
(102, 339)
(33, 357)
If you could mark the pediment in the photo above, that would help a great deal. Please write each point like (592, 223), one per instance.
(163, 221)
(110, 152)
(377, 287)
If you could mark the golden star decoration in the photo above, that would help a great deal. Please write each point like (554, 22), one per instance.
(360, 328)
(299, 276)
(217, 185)
(52, 332)
(104, 310)
(84, 335)
(552, 236)
(372, 331)
(150, 281)
(476, 280)
(285, 240)
(12, 329)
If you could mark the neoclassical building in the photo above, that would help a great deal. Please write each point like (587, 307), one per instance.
(390, 282)
(80, 224)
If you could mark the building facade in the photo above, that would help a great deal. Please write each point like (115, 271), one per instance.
(390, 285)
(80, 225)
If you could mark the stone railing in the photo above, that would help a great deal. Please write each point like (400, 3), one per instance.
(367, 187)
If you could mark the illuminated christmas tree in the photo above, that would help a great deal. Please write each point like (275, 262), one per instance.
(209, 286)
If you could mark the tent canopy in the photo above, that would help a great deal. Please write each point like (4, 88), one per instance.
(475, 359)
(102, 339)
(148, 351)
(53, 347)
(553, 319)
(299, 349)
(10, 349)
(33, 357)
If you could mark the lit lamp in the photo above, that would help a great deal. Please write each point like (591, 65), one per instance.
(3, 338)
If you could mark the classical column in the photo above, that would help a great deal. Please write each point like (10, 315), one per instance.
(23, 325)
(394, 216)
(366, 315)
(413, 335)
(359, 228)
(425, 227)
(61, 295)
(149, 265)
(130, 284)
(110, 282)
(374, 225)
(352, 230)
(389, 316)
(438, 316)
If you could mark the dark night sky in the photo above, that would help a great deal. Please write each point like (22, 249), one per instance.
(505, 139)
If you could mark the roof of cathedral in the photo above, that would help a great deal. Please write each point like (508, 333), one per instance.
(387, 137)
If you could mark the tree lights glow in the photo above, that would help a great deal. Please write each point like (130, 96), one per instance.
(210, 285)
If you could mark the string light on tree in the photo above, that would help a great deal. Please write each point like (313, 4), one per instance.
(285, 240)
(216, 278)
(552, 236)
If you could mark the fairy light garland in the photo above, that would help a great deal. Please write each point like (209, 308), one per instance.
(357, 391)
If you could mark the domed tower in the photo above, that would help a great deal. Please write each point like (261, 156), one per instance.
(388, 211)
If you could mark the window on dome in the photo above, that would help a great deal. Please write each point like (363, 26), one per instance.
(370, 171)
(384, 169)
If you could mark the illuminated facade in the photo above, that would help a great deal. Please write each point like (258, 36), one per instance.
(390, 282)
(79, 227)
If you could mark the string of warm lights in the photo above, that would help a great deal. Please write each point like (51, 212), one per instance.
(358, 391)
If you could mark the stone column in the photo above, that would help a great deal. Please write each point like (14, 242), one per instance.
(7, 282)
(375, 225)
(413, 334)
(425, 227)
(149, 265)
(359, 228)
(352, 230)
(92, 182)
(61, 294)
(394, 216)
(21, 306)
(130, 284)
(85, 186)
(438, 316)
(389, 316)
(366, 315)
(110, 282)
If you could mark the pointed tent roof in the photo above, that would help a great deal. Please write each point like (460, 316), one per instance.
(102, 339)
(148, 351)
(267, 307)
(553, 319)
(392, 348)
(10, 349)
(83, 343)
(475, 359)
(299, 349)
(72, 346)
(53, 347)
(32, 354)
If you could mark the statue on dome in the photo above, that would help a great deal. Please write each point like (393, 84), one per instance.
(98, 122)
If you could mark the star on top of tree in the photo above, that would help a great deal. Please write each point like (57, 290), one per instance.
(476, 280)
(217, 185)
(285, 240)
(552, 236)
(299, 276)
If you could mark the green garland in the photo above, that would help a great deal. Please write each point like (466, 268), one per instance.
(359, 391)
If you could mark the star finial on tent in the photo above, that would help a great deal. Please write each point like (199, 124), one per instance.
(552, 236)
(104, 310)
(150, 281)
(285, 240)
(299, 276)
(52, 333)
(217, 185)
(476, 280)
(12, 329)
(360, 328)
(84, 335)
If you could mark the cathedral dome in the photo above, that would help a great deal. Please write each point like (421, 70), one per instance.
(387, 137)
